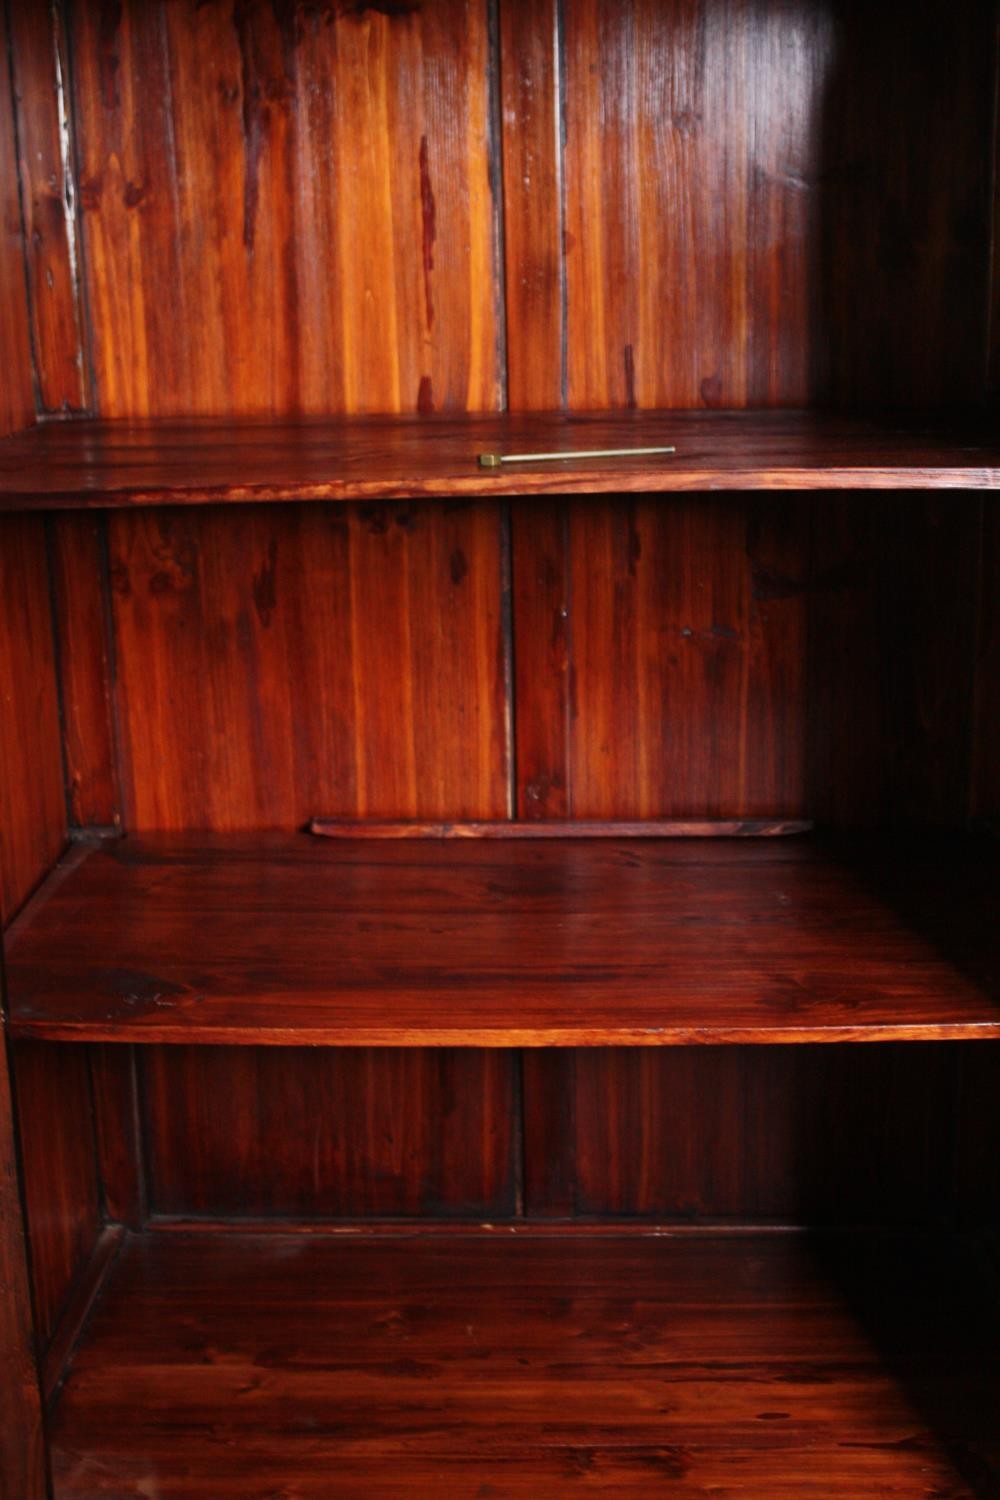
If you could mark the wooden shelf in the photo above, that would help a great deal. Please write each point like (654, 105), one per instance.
(291, 939)
(748, 1364)
(84, 463)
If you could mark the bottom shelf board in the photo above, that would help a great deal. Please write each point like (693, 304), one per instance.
(764, 1364)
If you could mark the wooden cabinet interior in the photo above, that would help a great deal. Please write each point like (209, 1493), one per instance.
(317, 257)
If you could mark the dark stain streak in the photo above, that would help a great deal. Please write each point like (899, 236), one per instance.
(767, 584)
(110, 62)
(265, 586)
(711, 390)
(459, 566)
(429, 211)
(634, 547)
(253, 123)
(630, 377)
(388, 8)
(425, 395)
(134, 194)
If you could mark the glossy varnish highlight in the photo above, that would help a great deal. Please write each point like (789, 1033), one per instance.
(731, 1366)
(282, 940)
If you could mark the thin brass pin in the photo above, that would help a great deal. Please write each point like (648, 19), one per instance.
(494, 460)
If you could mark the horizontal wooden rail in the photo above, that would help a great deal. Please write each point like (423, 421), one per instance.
(651, 828)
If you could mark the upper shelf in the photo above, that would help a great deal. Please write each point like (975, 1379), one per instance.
(85, 463)
(287, 939)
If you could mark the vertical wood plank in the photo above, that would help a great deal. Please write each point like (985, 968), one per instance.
(17, 394)
(542, 657)
(287, 208)
(44, 115)
(310, 659)
(337, 1132)
(85, 670)
(118, 1128)
(22, 1452)
(660, 657)
(32, 803)
(530, 53)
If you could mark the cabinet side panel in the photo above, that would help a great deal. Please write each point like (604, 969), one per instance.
(338, 1132)
(22, 1452)
(62, 1196)
(17, 393)
(32, 801)
(288, 208)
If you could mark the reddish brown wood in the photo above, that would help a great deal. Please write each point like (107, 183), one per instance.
(681, 626)
(61, 1190)
(48, 190)
(787, 1135)
(733, 198)
(543, 682)
(108, 464)
(85, 670)
(86, 1292)
(353, 828)
(267, 641)
(32, 802)
(256, 938)
(308, 194)
(23, 1462)
(348, 1133)
(118, 1131)
(531, 103)
(730, 1365)
(17, 395)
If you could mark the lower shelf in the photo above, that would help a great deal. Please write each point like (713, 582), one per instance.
(535, 1365)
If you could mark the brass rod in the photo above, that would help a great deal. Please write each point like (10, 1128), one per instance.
(494, 460)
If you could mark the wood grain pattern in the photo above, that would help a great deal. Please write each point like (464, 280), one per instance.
(17, 393)
(267, 643)
(752, 213)
(86, 1291)
(530, 57)
(661, 670)
(79, 464)
(44, 116)
(349, 1133)
(763, 1365)
(285, 940)
(81, 609)
(288, 208)
(32, 802)
(61, 1191)
(793, 1135)
(23, 1464)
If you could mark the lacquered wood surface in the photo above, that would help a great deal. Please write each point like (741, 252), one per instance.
(288, 209)
(351, 662)
(284, 940)
(118, 464)
(508, 1366)
(331, 1133)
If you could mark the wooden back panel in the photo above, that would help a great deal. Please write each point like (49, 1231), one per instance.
(285, 208)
